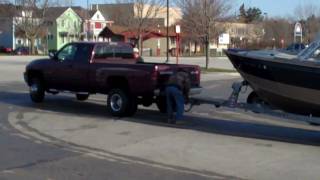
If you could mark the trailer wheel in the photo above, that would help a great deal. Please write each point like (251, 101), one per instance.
(253, 98)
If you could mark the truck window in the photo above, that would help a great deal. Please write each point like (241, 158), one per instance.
(67, 53)
(124, 52)
(84, 52)
(103, 52)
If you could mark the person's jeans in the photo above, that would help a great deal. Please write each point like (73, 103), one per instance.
(175, 101)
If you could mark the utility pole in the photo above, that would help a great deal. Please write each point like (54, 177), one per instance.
(167, 61)
(207, 36)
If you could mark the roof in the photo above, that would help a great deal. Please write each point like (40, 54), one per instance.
(53, 13)
(114, 30)
(82, 13)
(7, 10)
(111, 11)
(91, 13)
(117, 29)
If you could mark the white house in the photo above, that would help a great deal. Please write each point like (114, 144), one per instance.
(94, 25)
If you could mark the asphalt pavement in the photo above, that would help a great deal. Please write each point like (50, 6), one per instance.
(66, 139)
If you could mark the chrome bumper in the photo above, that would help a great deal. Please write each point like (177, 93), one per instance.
(192, 92)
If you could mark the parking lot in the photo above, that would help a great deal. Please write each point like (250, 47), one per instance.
(63, 138)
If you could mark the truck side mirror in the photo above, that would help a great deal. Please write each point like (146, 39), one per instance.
(52, 55)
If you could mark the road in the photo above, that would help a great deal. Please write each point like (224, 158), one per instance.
(65, 139)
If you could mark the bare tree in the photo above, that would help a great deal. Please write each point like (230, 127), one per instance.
(309, 16)
(139, 18)
(201, 17)
(4, 2)
(305, 11)
(30, 19)
(276, 30)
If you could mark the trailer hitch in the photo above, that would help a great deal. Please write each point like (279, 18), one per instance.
(232, 101)
(233, 98)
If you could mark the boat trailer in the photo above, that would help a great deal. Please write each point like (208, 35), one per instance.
(263, 108)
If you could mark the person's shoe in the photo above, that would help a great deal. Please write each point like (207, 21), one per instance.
(172, 121)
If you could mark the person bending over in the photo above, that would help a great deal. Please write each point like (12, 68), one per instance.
(177, 94)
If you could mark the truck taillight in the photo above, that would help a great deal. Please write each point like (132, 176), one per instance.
(154, 74)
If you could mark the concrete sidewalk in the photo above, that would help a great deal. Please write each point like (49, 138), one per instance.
(218, 144)
(190, 147)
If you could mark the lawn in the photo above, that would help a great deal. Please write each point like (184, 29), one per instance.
(210, 70)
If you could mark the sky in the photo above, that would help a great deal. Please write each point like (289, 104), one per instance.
(275, 7)
(271, 7)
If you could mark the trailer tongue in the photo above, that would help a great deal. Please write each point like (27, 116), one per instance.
(253, 104)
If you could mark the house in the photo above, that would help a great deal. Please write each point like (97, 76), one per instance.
(94, 25)
(7, 29)
(154, 40)
(158, 13)
(11, 33)
(64, 25)
(242, 33)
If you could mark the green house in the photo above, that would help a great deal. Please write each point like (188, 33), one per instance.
(64, 26)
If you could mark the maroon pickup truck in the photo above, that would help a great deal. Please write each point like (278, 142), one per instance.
(114, 69)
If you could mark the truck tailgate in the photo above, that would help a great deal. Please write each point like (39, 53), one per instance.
(165, 70)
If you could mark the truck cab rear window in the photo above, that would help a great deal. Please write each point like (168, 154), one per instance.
(109, 51)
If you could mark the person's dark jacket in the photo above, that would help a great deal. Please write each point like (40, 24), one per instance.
(182, 81)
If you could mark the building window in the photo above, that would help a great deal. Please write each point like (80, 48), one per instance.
(173, 40)
(98, 16)
(75, 24)
(62, 23)
(98, 25)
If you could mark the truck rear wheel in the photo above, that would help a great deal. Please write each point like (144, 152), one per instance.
(37, 90)
(120, 104)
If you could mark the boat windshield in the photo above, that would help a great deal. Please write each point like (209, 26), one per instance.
(311, 53)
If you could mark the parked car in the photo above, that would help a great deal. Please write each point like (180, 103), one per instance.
(5, 49)
(108, 68)
(21, 51)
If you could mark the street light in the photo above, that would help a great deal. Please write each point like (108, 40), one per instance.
(274, 42)
(158, 44)
(178, 31)
(167, 31)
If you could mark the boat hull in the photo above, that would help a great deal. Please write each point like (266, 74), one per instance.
(284, 84)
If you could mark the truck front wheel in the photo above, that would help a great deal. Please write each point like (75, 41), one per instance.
(37, 90)
(120, 103)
